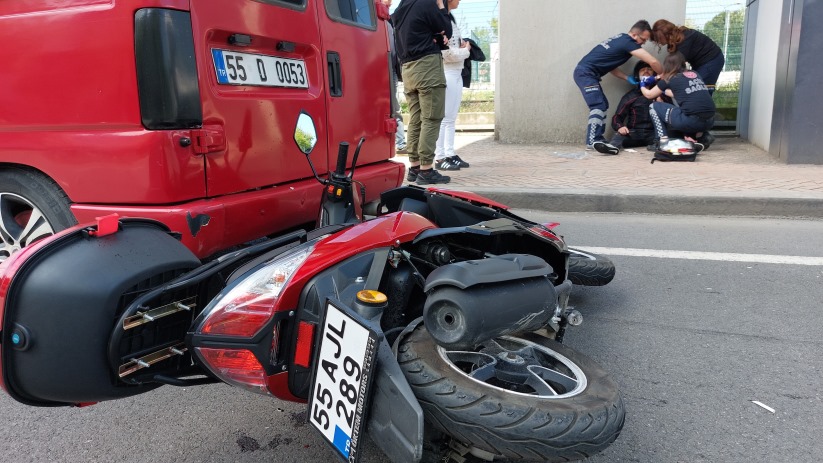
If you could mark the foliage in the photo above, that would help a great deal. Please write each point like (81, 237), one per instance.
(485, 36)
(305, 141)
(726, 95)
(730, 40)
(473, 101)
(477, 101)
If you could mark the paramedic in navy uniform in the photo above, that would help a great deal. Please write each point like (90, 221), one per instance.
(605, 58)
(694, 113)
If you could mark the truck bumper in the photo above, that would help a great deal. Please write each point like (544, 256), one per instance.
(213, 224)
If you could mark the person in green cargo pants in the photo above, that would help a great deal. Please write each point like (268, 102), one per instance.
(425, 89)
(421, 28)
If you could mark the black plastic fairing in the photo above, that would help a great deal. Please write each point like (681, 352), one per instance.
(493, 270)
(478, 226)
(68, 297)
(497, 237)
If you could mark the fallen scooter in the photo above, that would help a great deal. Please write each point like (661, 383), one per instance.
(435, 326)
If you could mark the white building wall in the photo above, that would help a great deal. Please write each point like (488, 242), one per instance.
(764, 72)
(541, 42)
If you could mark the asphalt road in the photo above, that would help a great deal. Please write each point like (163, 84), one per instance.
(691, 343)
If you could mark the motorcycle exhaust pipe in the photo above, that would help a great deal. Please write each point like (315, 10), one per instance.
(473, 301)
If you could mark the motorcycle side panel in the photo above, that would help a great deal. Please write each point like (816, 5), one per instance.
(395, 422)
(62, 305)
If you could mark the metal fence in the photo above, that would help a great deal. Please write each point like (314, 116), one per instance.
(477, 20)
(722, 21)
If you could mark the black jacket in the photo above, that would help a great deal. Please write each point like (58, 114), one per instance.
(633, 112)
(475, 54)
(417, 29)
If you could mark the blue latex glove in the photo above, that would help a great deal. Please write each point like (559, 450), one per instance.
(632, 80)
(647, 81)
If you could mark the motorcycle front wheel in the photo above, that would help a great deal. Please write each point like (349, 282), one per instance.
(522, 397)
(589, 269)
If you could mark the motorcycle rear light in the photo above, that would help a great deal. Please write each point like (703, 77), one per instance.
(85, 404)
(238, 367)
(305, 341)
(248, 315)
(544, 232)
(249, 305)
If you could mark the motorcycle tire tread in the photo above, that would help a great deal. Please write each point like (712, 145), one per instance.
(513, 426)
(587, 269)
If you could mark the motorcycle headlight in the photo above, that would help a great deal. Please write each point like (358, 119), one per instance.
(246, 307)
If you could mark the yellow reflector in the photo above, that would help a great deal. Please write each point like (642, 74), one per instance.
(370, 296)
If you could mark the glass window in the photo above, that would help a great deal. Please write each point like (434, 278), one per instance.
(723, 23)
(292, 3)
(356, 12)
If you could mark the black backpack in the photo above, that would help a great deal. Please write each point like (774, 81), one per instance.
(675, 149)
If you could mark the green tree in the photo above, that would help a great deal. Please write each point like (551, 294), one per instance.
(730, 42)
(305, 140)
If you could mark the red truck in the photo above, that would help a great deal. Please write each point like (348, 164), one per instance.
(185, 111)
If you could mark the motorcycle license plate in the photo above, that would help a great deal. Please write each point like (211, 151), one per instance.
(342, 378)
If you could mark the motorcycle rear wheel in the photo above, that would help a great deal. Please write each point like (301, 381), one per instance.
(589, 269)
(521, 397)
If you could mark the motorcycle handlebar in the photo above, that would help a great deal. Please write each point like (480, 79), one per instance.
(342, 155)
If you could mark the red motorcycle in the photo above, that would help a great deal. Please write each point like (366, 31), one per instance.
(435, 326)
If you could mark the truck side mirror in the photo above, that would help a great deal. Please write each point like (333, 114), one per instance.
(305, 134)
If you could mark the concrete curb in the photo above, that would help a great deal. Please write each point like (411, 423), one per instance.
(694, 204)
(734, 179)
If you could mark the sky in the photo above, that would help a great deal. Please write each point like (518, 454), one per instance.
(474, 14)
(471, 14)
(698, 12)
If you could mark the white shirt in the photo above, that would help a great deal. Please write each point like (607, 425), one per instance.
(454, 57)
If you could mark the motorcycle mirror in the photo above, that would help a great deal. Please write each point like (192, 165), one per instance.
(305, 134)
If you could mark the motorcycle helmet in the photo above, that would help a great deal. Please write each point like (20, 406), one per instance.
(677, 146)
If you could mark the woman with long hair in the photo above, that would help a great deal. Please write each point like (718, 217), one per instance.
(453, 59)
(704, 56)
(694, 114)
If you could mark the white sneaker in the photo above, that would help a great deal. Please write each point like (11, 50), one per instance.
(446, 164)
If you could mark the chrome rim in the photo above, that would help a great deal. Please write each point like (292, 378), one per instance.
(21, 223)
(520, 367)
(580, 254)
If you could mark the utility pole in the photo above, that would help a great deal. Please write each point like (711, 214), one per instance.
(726, 41)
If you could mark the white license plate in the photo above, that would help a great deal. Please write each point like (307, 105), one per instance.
(234, 68)
(341, 380)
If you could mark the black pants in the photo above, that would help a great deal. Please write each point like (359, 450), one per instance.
(634, 138)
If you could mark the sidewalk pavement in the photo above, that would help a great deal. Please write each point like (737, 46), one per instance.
(732, 178)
